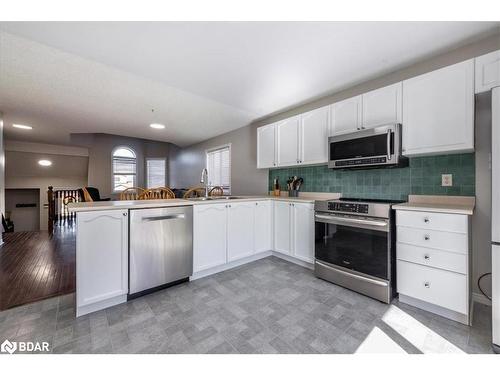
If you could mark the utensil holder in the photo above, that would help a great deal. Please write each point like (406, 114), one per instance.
(293, 193)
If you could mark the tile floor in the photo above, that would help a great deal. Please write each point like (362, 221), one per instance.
(268, 306)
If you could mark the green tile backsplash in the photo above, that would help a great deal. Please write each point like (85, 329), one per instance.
(422, 176)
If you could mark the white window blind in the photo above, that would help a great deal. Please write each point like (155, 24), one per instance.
(124, 168)
(156, 172)
(219, 168)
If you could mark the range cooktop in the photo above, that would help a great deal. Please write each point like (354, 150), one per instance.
(368, 200)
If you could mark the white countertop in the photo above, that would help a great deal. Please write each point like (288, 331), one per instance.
(153, 203)
(441, 204)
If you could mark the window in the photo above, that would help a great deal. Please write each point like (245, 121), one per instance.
(219, 168)
(155, 173)
(124, 168)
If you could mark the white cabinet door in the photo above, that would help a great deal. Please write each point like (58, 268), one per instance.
(288, 141)
(314, 136)
(495, 292)
(487, 71)
(438, 111)
(266, 146)
(240, 230)
(382, 106)
(263, 227)
(282, 227)
(101, 256)
(209, 236)
(303, 231)
(346, 116)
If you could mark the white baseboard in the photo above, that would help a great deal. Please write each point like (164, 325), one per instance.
(227, 266)
(480, 298)
(293, 260)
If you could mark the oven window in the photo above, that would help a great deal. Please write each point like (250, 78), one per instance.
(362, 250)
(375, 145)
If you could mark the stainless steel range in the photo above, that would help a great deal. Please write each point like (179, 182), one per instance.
(355, 245)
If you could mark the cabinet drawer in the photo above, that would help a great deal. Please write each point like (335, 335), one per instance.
(432, 220)
(443, 288)
(431, 257)
(456, 242)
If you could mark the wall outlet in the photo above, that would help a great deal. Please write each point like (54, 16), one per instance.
(446, 180)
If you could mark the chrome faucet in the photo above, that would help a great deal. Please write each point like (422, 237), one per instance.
(204, 180)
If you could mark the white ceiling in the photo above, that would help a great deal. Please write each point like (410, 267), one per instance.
(202, 79)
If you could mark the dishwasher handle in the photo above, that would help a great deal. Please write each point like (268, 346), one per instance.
(164, 217)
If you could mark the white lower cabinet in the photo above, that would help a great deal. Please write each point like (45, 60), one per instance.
(303, 231)
(240, 230)
(224, 233)
(433, 269)
(282, 227)
(209, 236)
(101, 260)
(294, 229)
(263, 226)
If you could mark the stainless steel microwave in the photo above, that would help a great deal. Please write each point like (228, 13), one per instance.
(370, 148)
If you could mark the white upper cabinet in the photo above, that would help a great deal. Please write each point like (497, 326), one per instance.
(346, 116)
(438, 111)
(240, 230)
(314, 136)
(263, 226)
(382, 106)
(266, 146)
(288, 141)
(487, 71)
(209, 236)
(303, 231)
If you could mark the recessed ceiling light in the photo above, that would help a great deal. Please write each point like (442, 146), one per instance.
(157, 126)
(25, 127)
(45, 163)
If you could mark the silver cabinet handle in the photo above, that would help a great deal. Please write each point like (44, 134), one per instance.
(427, 257)
(427, 237)
(427, 284)
(389, 144)
(124, 214)
(165, 217)
(426, 219)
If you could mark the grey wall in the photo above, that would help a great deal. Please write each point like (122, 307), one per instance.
(101, 146)
(186, 164)
(23, 172)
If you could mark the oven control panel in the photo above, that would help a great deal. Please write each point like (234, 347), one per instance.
(359, 208)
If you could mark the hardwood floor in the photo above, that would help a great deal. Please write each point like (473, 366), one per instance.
(35, 266)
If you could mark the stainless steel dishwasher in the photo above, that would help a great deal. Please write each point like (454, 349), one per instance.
(161, 248)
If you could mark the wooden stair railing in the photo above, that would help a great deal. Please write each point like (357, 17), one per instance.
(58, 206)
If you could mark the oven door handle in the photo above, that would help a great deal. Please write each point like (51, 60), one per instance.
(353, 275)
(330, 219)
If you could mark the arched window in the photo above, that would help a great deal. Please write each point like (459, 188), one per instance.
(124, 168)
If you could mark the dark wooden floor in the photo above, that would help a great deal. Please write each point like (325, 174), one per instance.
(35, 266)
